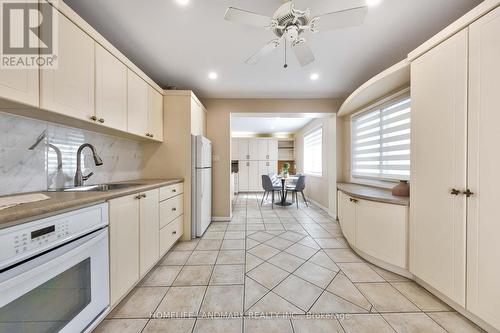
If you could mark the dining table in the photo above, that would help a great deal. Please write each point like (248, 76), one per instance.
(285, 179)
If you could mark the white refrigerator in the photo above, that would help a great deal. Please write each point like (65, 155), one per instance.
(201, 201)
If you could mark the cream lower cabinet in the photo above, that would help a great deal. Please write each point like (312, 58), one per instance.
(249, 177)
(69, 89)
(483, 223)
(379, 230)
(110, 90)
(439, 154)
(124, 226)
(149, 226)
(171, 216)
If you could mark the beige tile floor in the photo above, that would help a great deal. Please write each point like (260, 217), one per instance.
(278, 270)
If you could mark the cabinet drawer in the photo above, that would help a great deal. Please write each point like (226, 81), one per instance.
(170, 234)
(171, 209)
(171, 191)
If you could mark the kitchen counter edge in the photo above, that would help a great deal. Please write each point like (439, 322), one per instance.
(61, 202)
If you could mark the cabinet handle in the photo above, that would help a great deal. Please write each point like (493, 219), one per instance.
(454, 191)
(93, 118)
(174, 232)
(152, 135)
(143, 196)
(174, 190)
(468, 193)
(101, 120)
(138, 197)
(353, 200)
(174, 209)
(148, 135)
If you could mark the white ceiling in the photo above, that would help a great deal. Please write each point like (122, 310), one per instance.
(179, 46)
(269, 124)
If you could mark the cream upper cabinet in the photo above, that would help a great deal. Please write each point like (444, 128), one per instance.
(155, 114)
(263, 149)
(69, 89)
(20, 85)
(234, 149)
(243, 151)
(253, 149)
(137, 104)
(124, 219)
(198, 118)
(110, 90)
(273, 149)
(149, 230)
(483, 226)
(439, 152)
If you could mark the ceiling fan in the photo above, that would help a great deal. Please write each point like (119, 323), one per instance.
(289, 25)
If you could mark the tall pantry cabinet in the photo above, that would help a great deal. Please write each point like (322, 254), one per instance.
(454, 199)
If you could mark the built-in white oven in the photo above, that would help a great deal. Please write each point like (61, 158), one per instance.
(54, 273)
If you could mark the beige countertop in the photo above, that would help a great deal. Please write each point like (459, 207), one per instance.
(60, 202)
(372, 193)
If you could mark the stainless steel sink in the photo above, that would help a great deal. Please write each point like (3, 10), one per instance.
(96, 188)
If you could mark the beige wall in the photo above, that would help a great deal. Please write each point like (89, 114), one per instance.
(319, 189)
(219, 132)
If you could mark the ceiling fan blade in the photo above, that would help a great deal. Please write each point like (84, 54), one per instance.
(303, 53)
(246, 17)
(342, 19)
(268, 48)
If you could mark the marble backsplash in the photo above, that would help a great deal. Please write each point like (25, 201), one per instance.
(37, 169)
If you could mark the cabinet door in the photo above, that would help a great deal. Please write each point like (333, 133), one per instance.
(155, 114)
(234, 149)
(483, 246)
(124, 245)
(253, 149)
(438, 149)
(255, 182)
(149, 230)
(243, 181)
(262, 147)
(272, 149)
(243, 149)
(389, 223)
(110, 89)
(137, 104)
(263, 168)
(69, 89)
(348, 218)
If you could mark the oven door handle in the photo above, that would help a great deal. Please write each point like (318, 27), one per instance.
(45, 266)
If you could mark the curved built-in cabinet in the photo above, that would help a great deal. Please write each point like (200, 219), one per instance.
(375, 224)
(390, 81)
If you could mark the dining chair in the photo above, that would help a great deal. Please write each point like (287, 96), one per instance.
(274, 178)
(299, 186)
(269, 187)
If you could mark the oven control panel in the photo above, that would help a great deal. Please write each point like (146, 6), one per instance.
(20, 242)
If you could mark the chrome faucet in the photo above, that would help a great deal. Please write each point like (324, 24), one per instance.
(79, 177)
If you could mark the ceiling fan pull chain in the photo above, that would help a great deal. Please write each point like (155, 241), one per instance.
(286, 65)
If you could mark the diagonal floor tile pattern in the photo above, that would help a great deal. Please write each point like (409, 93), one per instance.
(276, 270)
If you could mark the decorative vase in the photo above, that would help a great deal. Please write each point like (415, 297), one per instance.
(402, 189)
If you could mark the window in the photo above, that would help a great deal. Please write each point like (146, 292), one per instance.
(381, 141)
(313, 152)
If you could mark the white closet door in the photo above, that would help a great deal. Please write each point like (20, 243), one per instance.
(438, 155)
(263, 153)
(483, 232)
(273, 149)
(255, 183)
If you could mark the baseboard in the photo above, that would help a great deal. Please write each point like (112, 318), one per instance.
(221, 219)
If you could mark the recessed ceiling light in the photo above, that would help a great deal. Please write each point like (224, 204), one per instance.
(273, 127)
(212, 76)
(314, 76)
(372, 3)
(182, 2)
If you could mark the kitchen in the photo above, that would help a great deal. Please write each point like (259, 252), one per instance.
(135, 155)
